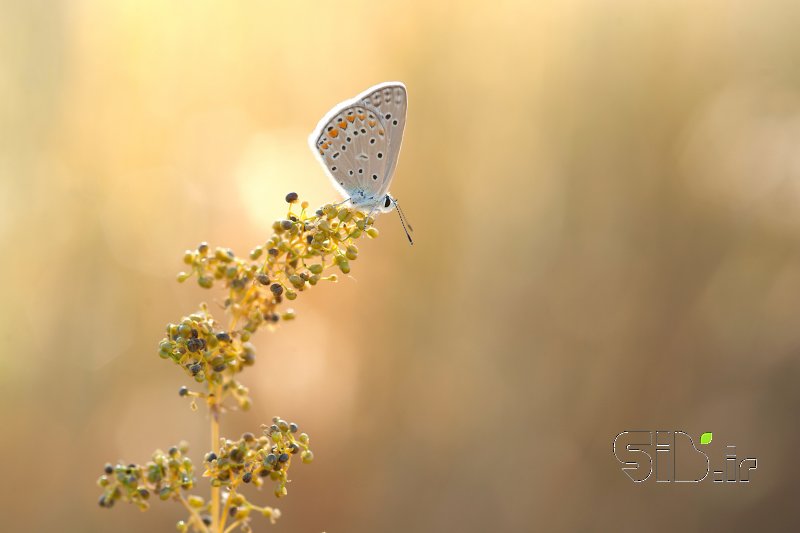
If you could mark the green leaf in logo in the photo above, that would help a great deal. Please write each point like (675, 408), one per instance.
(705, 438)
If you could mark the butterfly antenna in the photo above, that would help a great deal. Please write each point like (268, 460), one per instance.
(403, 222)
(403, 216)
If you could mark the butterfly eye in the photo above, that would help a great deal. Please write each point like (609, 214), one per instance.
(387, 202)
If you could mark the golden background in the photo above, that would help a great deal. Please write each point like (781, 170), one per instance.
(605, 201)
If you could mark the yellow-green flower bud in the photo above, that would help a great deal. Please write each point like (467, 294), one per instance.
(196, 501)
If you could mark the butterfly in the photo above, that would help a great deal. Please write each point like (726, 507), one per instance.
(358, 143)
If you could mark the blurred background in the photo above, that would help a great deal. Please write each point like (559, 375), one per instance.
(605, 201)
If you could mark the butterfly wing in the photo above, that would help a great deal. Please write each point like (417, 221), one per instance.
(390, 99)
(351, 143)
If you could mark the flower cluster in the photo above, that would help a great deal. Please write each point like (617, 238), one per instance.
(165, 476)
(209, 354)
(302, 248)
(253, 460)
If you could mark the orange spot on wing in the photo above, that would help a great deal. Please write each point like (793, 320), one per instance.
(372, 123)
(361, 117)
(343, 124)
(351, 118)
(334, 133)
(325, 146)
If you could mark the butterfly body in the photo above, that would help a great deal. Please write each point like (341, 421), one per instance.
(358, 143)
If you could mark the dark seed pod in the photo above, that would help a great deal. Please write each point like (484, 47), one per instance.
(144, 493)
(211, 457)
(195, 368)
(286, 224)
(263, 279)
(264, 472)
(283, 458)
(206, 519)
(293, 427)
(291, 197)
(195, 345)
(272, 251)
(233, 510)
(183, 391)
(108, 469)
(276, 288)
(223, 336)
(247, 477)
(271, 458)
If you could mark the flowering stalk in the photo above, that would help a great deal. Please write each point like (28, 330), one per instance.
(300, 254)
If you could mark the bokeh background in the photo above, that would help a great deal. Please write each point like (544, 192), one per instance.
(605, 196)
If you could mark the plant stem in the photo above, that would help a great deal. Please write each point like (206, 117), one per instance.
(215, 491)
(232, 526)
(193, 516)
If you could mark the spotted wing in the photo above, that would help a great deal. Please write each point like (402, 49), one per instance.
(391, 101)
(352, 144)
